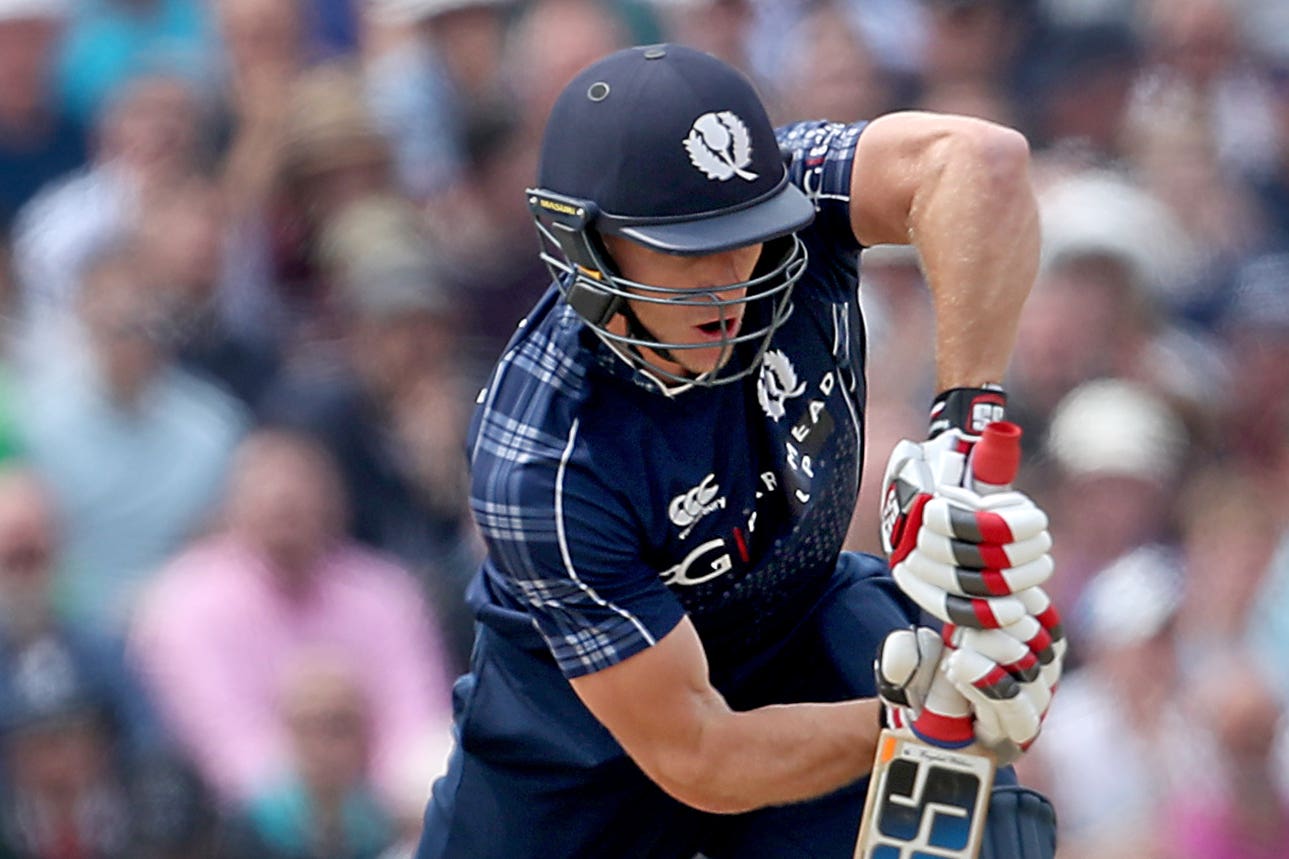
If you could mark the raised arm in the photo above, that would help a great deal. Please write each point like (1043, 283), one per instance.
(959, 190)
(662, 709)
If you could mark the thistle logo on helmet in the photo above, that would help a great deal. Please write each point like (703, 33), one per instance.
(719, 144)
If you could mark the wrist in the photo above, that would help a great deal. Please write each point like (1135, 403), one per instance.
(967, 410)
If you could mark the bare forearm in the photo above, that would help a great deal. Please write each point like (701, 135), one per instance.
(975, 224)
(779, 754)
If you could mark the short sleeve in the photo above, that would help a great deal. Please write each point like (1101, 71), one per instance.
(564, 544)
(819, 156)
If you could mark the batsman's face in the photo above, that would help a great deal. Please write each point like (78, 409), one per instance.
(689, 323)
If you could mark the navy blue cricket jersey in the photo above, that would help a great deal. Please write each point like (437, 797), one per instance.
(612, 506)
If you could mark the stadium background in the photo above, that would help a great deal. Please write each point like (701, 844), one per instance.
(257, 256)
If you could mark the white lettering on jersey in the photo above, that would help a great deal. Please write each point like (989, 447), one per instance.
(777, 382)
(717, 565)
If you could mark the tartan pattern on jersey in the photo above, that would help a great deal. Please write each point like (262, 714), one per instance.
(526, 442)
(518, 461)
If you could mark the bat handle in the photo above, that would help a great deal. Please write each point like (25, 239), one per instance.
(995, 460)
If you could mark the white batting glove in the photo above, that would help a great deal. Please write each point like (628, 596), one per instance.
(1008, 674)
(919, 697)
(960, 555)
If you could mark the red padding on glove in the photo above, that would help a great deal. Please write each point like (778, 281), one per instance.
(993, 528)
(995, 582)
(951, 731)
(907, 538)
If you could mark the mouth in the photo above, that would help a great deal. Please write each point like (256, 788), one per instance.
(719, 329)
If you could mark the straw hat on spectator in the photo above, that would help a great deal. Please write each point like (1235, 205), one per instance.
(378, 258)
(1112, 427)
(328, 124)
(1096, 213)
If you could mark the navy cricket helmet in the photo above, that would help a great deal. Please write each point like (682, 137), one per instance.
(671, 148)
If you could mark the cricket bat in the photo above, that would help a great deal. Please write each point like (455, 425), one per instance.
(927, 802)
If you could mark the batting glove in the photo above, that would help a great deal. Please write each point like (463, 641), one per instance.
(920, 698)
(1009, 674)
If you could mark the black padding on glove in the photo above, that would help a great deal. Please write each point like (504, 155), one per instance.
(1021, 825)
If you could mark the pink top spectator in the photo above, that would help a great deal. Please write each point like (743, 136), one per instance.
(217, 633)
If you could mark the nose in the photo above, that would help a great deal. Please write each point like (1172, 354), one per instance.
(724, 273)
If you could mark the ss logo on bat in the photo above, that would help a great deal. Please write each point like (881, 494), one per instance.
(928, 803)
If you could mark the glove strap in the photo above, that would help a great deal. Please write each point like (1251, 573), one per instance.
(967, 409)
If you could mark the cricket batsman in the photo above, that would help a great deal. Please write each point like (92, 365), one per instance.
(674, 657)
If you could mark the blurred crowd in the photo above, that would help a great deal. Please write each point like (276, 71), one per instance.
(257, 256)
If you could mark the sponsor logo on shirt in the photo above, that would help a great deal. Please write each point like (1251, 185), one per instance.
(688, 507)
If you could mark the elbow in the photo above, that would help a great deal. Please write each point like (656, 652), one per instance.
(704, 791)
(1000, 155)
(698, 777)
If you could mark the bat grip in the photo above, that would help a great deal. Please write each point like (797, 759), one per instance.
(995, 459)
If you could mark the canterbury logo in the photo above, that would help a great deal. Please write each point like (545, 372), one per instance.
(720, 146)
(688, 508)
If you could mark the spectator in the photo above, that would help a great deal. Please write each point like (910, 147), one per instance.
(325, 808)
(29, 542)
(38, 141)
(1080, 92)
(1111, 255)
(1201, 73)
(181, 246)
(134, 448)
(1118, 743)
(265, 53)
(437, 61)
(722, 28)
(1241, 809)
(1272, 186)
(829, 71)
(83, 751)
(972, 49)
(1230, 524)
(482, 232)
(1118, 450)
(332, 154)
(585, 30)
(149, 138)
(109, 42)
(1255, 331)
(392, 410)
(233, 612)
(68, 791)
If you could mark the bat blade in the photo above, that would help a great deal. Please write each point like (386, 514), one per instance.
(924, 802)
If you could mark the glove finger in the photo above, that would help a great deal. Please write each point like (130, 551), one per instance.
(978, 613)
(1029, 631)
(904, 666)
(945, 516)
(995, 695)
(967, 580)
(1039, 604)
(1012, 655)
(986, 584)
(979, 556)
